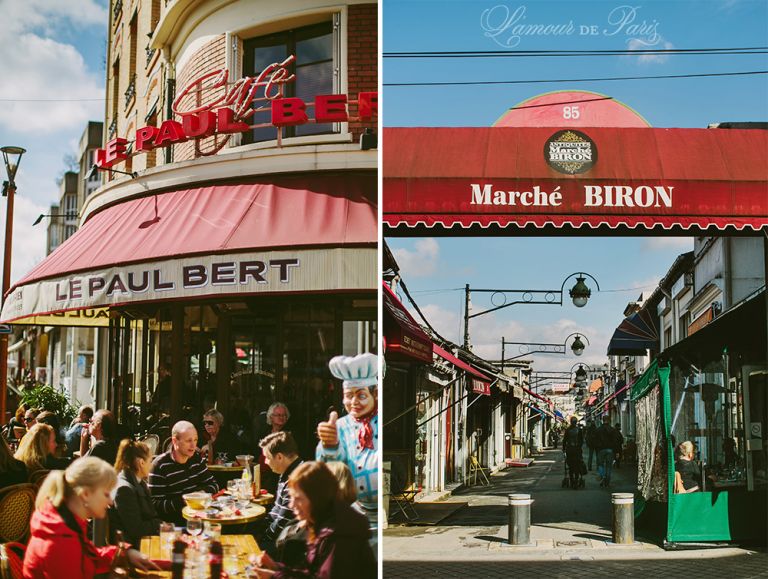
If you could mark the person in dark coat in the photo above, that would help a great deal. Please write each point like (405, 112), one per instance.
(221, 442)
(12, 471)
(101, 436)
(133, 511)
(573, 441)
(337, 535)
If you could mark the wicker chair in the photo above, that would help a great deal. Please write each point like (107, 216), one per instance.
(17, 504)
(152, 441)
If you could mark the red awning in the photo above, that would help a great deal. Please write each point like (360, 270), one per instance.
(481, 384)
(539, 396)
(290, 235)
(592, 400)
(714, 178)
(403, 334)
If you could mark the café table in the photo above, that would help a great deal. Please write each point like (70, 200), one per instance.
(250, 514)
(243, 545)
(222, 473)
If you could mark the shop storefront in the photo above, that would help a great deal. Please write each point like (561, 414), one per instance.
(240, 254)
(709, 389)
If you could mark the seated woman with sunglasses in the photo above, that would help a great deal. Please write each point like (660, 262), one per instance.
(220, 441)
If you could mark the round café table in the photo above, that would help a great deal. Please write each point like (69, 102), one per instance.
(250, 514)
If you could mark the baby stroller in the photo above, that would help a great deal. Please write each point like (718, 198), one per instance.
(577, 480)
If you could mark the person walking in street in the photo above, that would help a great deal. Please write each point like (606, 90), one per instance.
(618, 445)
(605, 442)
(590, 439)
(573, 440)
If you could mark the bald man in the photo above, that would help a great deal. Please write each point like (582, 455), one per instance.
(177, 472)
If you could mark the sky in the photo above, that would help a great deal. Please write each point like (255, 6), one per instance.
(436, 269)
(52, 55)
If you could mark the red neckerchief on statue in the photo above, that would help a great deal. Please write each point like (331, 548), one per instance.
(365, 434)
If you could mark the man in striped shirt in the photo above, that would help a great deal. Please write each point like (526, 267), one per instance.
(282, 456)
(177, 472)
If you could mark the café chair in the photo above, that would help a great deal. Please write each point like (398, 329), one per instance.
(17, 503)
(404, 497)
(152, 441)
(475, 468)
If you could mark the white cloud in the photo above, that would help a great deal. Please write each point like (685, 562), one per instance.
(445, 322)
(681, 244)
(36, 66)
(636, 44)
(422, 261)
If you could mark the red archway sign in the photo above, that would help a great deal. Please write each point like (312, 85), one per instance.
(571, 108)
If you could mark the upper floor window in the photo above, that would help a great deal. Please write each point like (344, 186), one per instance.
(314, 68)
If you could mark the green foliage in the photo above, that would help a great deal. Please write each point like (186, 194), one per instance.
(45, 397)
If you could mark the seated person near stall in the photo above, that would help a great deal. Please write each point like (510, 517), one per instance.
(687, 470)
(220, 440)
(177, 472)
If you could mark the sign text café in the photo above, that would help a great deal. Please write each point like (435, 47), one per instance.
(231, 108)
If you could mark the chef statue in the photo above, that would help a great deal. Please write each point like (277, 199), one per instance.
(354, 438)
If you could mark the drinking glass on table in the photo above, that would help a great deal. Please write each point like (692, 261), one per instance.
(232, 486)
(167, 536)
(213, 530)
(194, 527)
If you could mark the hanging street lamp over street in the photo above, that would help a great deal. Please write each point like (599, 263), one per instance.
(581, 374)
(577, 346)
(580, 293)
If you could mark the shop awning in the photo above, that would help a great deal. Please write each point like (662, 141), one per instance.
(473, 179)
(592, 400)
(403, 335)
(290, 235)
(637, 333)
(481, 384)
(595, 385)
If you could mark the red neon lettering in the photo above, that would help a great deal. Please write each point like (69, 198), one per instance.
(288, 112)
(203, 124)
(101, 155)
(115, 152)
(367, 105)
(227, 122)
(331, 108)
(145, 138)
(170, 131)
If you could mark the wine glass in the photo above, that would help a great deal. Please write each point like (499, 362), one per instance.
(194, 527)
(167, 536)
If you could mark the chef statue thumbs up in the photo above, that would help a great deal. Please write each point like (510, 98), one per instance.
(328, 432)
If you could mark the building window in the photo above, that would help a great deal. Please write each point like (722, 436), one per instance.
(668, 337)
(70, 207)
(683, 326)
(314, 68)
(69, 231)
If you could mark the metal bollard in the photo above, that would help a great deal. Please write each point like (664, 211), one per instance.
(520, 519)
(623, 518)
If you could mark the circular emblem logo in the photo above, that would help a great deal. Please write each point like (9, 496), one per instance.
(570, 152)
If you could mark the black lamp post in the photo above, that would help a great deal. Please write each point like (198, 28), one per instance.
(11, 158)
(579, 293)
(577, 347)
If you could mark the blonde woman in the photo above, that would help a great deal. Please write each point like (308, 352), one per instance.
(687, 471)
(59, 545)
(37, 448)
(133, 512)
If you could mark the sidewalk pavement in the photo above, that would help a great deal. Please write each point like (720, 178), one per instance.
(566, 524)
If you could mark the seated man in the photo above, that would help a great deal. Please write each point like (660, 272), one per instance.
(72, 436)
(281, 455)
(177, 472)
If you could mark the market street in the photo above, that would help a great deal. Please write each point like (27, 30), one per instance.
(571, 529)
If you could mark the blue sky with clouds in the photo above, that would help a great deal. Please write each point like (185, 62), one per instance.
(436, 269)
(52, 55)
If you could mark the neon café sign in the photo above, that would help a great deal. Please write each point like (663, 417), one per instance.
(231, 108)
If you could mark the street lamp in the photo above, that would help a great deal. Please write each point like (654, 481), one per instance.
(580, 294)
(577, 347)
(11, 158)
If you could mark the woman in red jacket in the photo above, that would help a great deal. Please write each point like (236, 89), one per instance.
(58, 546)
(337, 535)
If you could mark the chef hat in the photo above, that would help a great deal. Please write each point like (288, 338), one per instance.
(357, 372)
